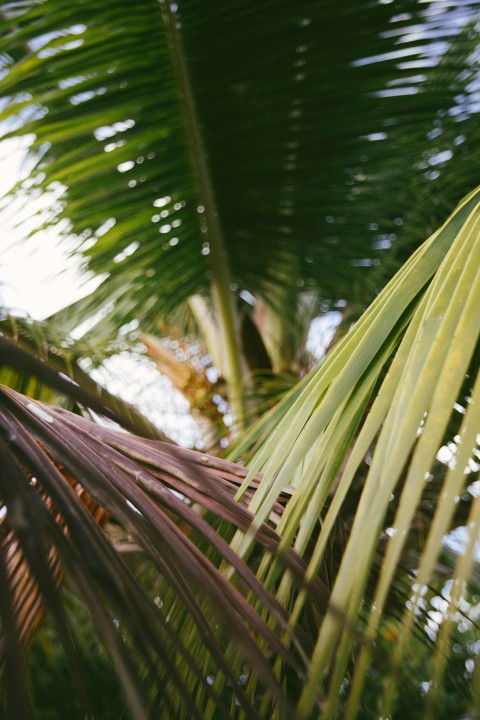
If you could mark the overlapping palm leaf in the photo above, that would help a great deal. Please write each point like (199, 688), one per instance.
(36, 360)
(312, 142)
(317, 134)
(61, 477)
(367, 426)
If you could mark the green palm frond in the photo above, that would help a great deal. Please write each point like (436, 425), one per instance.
(313, 136)
(365, 429)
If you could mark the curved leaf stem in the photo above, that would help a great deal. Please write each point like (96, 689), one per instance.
(221, 279)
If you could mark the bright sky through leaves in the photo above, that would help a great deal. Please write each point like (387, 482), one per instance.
(36, 274)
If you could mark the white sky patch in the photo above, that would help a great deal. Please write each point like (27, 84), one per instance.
(37, 275)
(322, 330)
(458, 540)
(136, 380)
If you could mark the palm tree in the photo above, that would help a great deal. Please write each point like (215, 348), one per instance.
(271, 199)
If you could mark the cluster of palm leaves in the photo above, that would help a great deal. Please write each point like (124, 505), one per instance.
(230, 171)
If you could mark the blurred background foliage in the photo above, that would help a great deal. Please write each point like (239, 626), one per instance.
(230, 174)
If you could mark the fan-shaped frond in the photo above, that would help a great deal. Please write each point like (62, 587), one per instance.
(369, 425)
(312, 137)
(61, 477)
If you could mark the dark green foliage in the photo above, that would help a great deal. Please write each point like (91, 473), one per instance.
(54, 692)
(329, 133)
